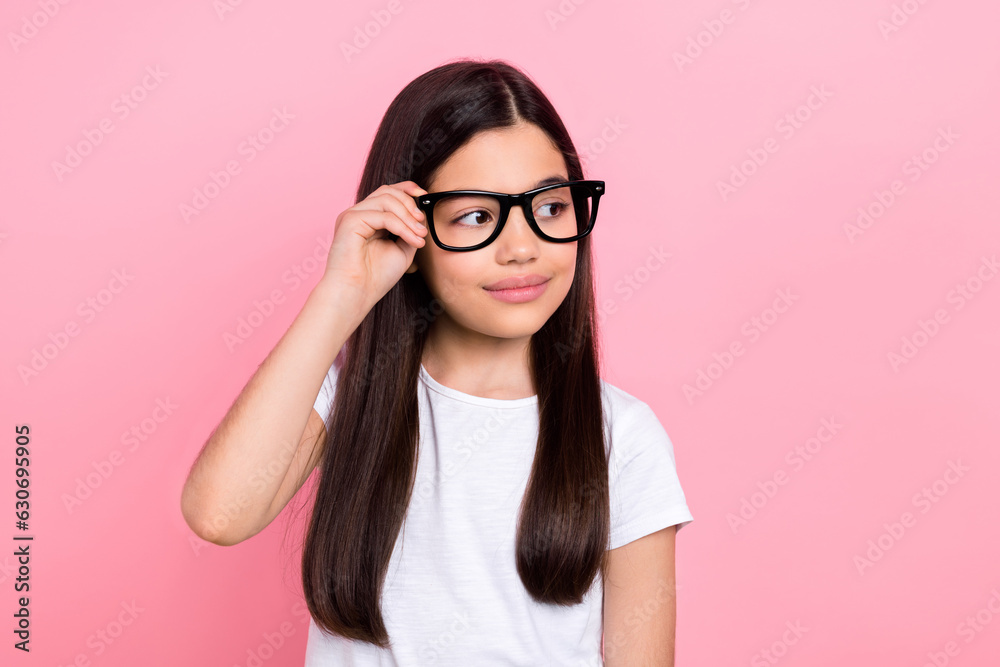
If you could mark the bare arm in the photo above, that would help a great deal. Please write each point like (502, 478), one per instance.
(271, 439)
(640, 605)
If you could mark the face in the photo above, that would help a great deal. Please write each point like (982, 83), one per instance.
(509, 160)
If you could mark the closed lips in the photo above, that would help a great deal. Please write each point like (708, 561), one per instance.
(516, 282)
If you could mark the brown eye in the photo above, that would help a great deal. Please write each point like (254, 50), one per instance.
(472, 222)
(558, 206)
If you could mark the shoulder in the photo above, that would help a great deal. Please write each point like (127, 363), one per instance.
(633, 431)
(624, 412)
(646, 493)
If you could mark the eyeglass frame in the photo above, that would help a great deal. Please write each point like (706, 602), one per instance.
(426, 204)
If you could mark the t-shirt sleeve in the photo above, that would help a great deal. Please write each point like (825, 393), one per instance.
(324, 400)
(646, 493)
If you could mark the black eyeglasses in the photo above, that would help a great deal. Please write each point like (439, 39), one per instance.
(462, 220)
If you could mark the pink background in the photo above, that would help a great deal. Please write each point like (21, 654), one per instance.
(663, 134)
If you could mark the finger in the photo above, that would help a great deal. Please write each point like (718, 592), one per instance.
(410, 188)
(406, 191)
(404, 196)
(389, 221)
(393, 199)
(404, 207)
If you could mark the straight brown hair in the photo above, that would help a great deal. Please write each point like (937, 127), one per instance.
(369, 459)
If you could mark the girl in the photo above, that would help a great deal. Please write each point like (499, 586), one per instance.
(484, 497)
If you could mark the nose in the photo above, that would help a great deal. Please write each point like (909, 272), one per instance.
(517, 238)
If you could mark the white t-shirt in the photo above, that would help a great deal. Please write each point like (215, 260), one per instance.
(452, 595)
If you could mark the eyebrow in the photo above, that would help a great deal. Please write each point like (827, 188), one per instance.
(551, 180)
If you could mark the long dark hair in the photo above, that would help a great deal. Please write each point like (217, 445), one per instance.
(370, 454)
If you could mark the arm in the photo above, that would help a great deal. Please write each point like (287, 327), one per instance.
(640, 606)
(271, 438)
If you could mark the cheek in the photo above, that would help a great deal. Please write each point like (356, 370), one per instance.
(571, 269)
(450, 276)
(568, 259)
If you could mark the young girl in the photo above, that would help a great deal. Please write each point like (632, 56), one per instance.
(484, 497)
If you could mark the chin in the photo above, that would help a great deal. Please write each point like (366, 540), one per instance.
(513, 322)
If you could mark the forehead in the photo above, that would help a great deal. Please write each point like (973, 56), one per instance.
(510, 159)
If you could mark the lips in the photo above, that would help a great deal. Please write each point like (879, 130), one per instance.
(516, 282)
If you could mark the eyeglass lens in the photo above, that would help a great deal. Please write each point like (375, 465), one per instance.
(467, 220)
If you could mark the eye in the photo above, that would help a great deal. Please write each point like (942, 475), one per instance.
(459, 219)
(556, 208)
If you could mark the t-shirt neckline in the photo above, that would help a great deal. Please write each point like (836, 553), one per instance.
(454, 394)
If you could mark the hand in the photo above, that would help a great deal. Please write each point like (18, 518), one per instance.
(375, 241)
